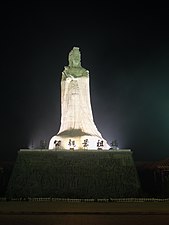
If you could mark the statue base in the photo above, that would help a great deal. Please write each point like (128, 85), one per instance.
(74, 174)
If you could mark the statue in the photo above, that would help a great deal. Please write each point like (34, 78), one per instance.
(77, 122)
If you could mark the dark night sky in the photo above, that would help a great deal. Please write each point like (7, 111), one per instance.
(126, 51)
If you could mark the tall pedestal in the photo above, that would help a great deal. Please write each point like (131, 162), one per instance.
(74, 174)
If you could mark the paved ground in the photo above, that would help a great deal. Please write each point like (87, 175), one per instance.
(59, 213)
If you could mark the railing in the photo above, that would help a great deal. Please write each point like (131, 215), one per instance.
(87, 200)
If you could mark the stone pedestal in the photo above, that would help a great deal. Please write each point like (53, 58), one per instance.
(74, 174)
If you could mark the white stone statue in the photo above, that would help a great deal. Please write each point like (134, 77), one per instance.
(77, 129)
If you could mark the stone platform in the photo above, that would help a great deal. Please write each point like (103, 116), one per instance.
(74, 174)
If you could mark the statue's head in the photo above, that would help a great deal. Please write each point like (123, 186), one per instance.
(75, 57)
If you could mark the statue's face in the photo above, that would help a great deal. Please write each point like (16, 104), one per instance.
(76, 60)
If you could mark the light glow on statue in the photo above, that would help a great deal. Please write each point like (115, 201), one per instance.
(77, 122)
